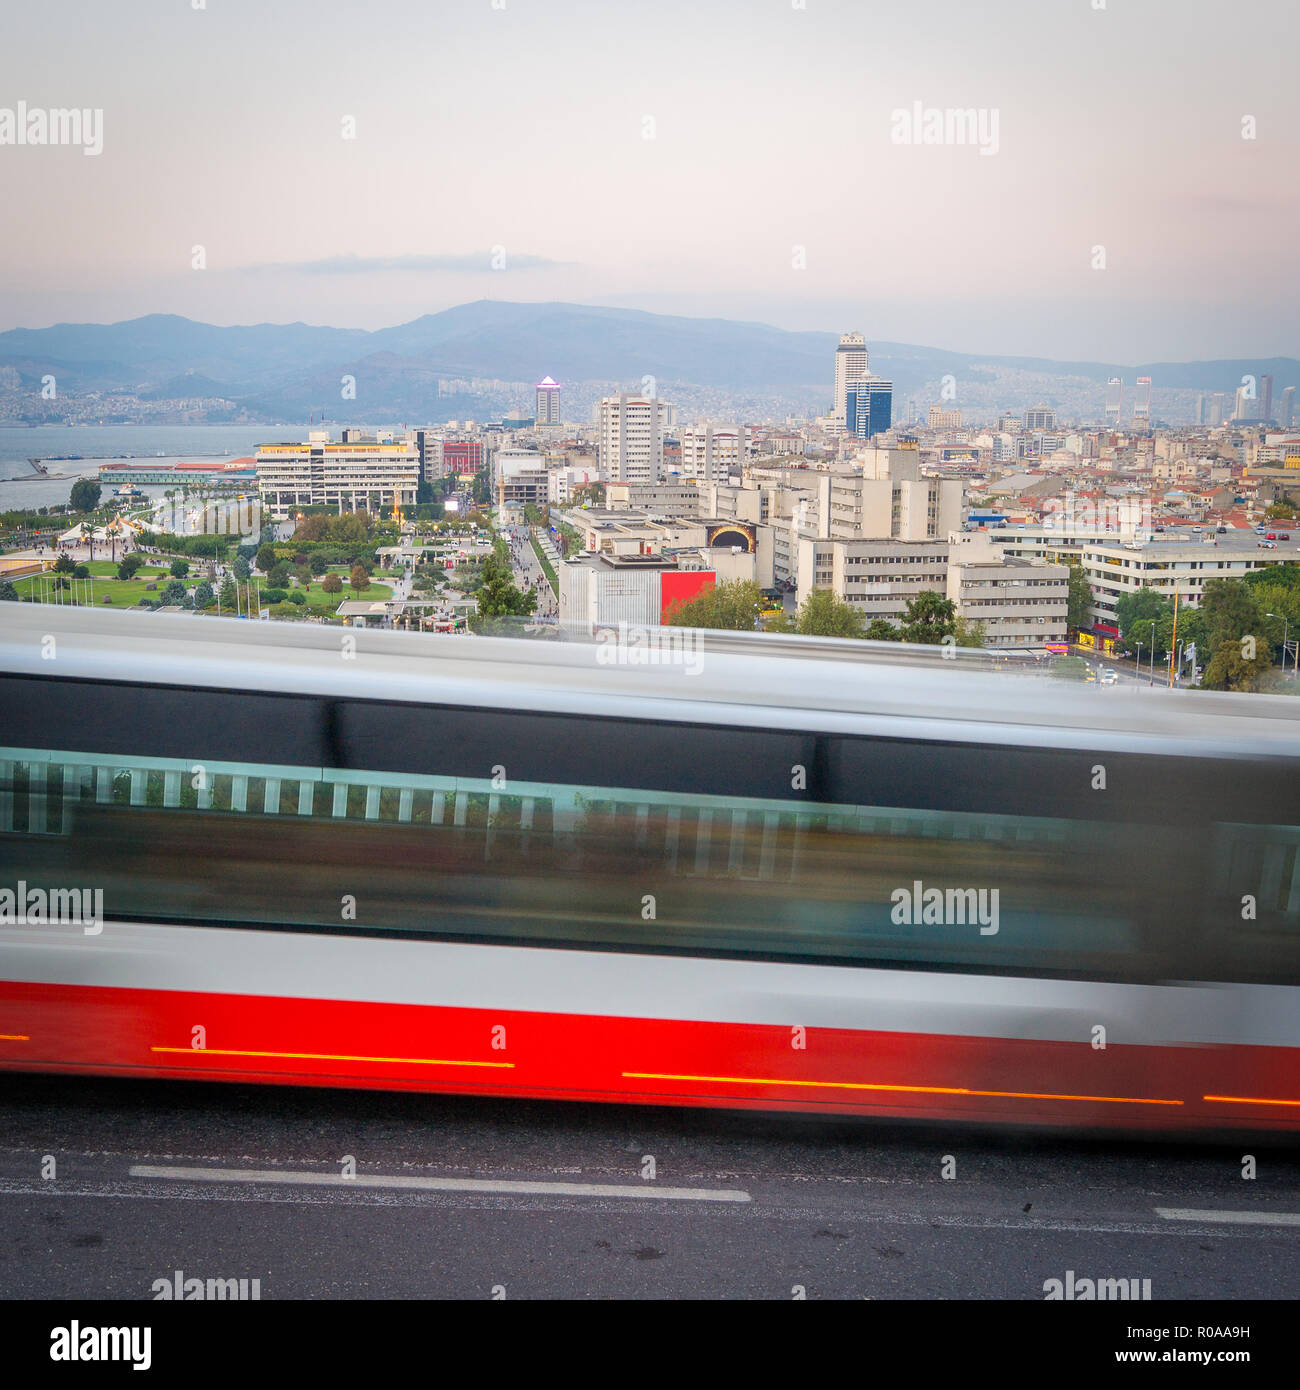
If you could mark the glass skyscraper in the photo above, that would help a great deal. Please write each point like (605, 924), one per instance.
(868, 406)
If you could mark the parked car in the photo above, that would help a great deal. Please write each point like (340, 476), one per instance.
(1284, 535)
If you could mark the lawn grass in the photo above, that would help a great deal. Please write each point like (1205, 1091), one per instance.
(123, 593)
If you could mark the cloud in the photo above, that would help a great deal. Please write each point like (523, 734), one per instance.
(487, 261)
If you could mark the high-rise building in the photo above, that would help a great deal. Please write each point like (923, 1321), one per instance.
(1114, 400)
(1286, 412)
(869, 404)
(1202, 409)
(1245, 405)
(630, 438)
(711, 453)
(548, 401)
(1040, 417)
(941, 418)
(850, 365)
(1266, 396)
(1142, 401)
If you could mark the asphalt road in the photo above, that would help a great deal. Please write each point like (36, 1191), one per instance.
(226, 1182)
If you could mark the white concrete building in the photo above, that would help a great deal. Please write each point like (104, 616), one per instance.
(1023, 604)
(630, 438)
(851, 363)
(711, 453)
(362, 474)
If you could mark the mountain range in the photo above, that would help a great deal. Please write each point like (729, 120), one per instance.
(283, 371)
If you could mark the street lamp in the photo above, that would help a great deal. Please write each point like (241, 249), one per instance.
(1284, 628)
(1140, 645)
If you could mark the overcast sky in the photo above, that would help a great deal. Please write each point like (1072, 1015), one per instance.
(523, 127)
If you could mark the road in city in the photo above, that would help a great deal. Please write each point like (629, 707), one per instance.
(528, 571)
(234, 1182)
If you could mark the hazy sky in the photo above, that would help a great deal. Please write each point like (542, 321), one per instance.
(521, 124)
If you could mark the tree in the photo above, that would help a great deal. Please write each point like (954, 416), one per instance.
(823, 615)
(929, 618)
(593, 493)
(278, 575)
(1231, 611)
(266, 559)
(359, 579)
(498, 597)
(65, 564)
(179, 569)
(128, 565)
(967, 633)
(731, 606)
(175, 592)
(204, 596)
(1232, 667)
(319, 564)
(1239, 652)
(1275, 576)
(242, 569)
(8, 594)
(81, 572)
(332, 584)
(85, 495)
(882, 630)
(227, 596)
(1145, 605)
(1079, 600)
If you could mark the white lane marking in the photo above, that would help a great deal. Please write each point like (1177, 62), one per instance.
(410, 1184)
(1234, 1218)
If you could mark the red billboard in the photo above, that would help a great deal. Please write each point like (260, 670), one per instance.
(681, 586)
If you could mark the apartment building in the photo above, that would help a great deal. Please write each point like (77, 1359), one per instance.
(630, 437)
(711, 452)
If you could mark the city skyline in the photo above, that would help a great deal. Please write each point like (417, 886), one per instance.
(518, 163)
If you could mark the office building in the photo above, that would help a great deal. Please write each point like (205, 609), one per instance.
(868, 406)
(1040, 417)
(548, 401)
(1022, 604)
(850, 365)
(361, 474)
